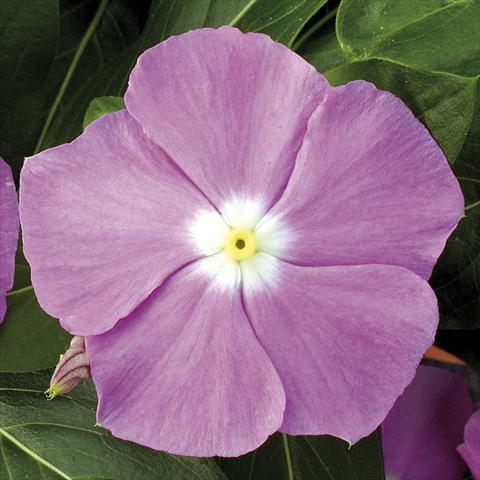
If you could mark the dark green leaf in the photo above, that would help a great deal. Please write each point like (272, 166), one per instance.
(100, 106)
(29, 338)
(309, 458)
(28, 39)
(59, 440)
(456, 278)
(281, 19)
(324, 52)
(442, 35)
(37, 43)
(118, 29)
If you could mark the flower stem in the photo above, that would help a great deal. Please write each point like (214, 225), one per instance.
(71, 70)
(472, 205)
(19, 290)
(288, 457)
(242, 13)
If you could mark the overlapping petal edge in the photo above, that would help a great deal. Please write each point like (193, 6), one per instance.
(350, 200)
(8, 232)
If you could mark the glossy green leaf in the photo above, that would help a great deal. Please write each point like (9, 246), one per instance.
(324, 51)
(29, 338)
(28, 39)
(456, 278)
(100, 106)
(281, 19)
(59, 440)
(440, 35)
(309, 458)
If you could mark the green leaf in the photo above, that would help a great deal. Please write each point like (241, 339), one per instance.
(308, 458)
(59, 440)
(37, 44)
(443, 102)
(28, 40)
(324, 52)
(281, 19)
(441, 35)
(29, 338)
(456, 278)
(100, 106)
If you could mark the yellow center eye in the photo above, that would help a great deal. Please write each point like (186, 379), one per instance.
(240, 244)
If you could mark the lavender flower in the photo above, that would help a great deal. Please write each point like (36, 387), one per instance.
(245, 248)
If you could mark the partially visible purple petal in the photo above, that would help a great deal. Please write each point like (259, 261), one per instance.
(230, 108)
(345, 341)
(184, 372)
(470, 449)
(370, 186)
(423, 429)
(105, 220)
(8, 233)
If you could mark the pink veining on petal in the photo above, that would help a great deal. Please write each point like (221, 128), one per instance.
(345, 341)
(230, 108)
(184, 372)
(8, 233)
(104, 221)
(370, 186)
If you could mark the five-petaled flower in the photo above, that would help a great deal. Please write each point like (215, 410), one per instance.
(245, 247)
(8, 233)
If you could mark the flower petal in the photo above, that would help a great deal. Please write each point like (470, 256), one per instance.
(230, 108)
(8, 233)
(345, 341)
(370, 186)
(423, 429)
(104, 223)
(470, 449)
(185, 373)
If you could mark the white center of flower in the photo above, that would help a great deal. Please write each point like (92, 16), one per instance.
(240, 244)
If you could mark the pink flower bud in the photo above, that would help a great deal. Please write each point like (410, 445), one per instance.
(72, 368)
